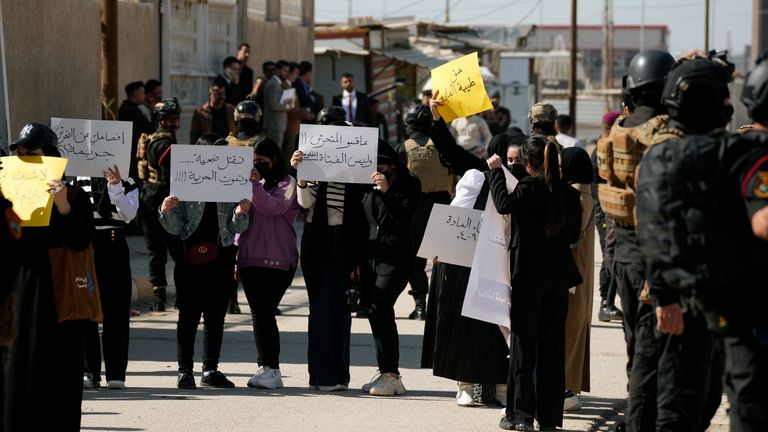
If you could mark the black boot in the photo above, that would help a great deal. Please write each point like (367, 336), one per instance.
(420, 311)
(159, 304)
(608, 313)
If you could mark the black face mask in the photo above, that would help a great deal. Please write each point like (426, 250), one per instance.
(518, 170)
(263, 168)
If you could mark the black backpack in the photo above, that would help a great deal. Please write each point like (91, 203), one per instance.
(684, 213)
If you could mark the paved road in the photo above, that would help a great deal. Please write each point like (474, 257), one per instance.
(153, 403)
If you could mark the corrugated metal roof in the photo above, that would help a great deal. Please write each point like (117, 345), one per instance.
(412, 56)
(343, 46)
(473, 40)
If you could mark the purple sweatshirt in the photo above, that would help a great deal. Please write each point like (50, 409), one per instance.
(270, 240)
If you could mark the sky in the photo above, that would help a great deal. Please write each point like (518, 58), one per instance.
(685, 18)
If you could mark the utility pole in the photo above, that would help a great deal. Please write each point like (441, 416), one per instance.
(349, 10)
(572, 75)
(706, 25)
(642, 25)
(607, 51)
(447, 11)
(109, 59)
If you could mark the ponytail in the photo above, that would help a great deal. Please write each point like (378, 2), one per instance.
(556, 206)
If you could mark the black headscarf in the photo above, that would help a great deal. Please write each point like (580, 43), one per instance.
(501, 142)
(276, 174)
(576, 166)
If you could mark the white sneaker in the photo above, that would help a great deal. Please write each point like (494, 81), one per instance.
(333, 388)
(266, 378)
(501, 394)
(572, 403)
(367, 387)
(465, 396)
(388, 385)
(116, 385)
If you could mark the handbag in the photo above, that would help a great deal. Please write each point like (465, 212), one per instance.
(352, 297)
(75, 288)
(203, 253)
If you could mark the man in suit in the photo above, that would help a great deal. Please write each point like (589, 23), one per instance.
(355, 103)
(246, 73)
(231, 76)
(275, 111)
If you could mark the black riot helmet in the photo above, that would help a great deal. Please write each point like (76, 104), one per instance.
(333, 115)
(167, 108)
(648, 67)
(248, 110)
(696, 94)
(755, 92)
(418, 117)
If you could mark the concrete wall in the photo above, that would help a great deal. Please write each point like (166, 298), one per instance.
(138, 43)
(52, 55)
(274, 41)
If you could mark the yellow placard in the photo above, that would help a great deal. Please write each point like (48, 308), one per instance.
(461, 88)
(24, 181)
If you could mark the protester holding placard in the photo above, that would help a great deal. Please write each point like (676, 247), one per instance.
(331, 246)
(45, 370)
(114, 201)
(389, 254)
(267, 255)
(154, 166)
(547, 221)
(207, 231)
(483, 357)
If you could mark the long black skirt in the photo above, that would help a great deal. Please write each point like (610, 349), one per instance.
(457, 347)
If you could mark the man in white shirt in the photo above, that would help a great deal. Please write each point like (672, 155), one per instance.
(563, 125)
(472, 133)
(355, 103)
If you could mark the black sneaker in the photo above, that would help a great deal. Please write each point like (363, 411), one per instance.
(234, 308)
(216, 379)
(186, 381)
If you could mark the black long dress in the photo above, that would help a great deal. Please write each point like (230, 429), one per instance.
(45, 371)
(456, 347)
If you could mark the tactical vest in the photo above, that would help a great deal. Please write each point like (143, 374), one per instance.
(234, 141)
(424, 163)
(148, 173)
(618, 156)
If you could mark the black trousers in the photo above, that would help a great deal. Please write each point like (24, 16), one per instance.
(690, 380)
(202, 291)
(419, 281)
(641, 409)
(629, 279)
(746, 379)
(113, 270)
(323, 263)
(159, 243)
(536, 385)
(264, 288)
(379, 293)
(604, 226)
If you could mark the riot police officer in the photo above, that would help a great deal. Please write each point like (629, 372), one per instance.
(746, 340)
(681, 221)
(248, 122)
(154, 169)
(423, 161)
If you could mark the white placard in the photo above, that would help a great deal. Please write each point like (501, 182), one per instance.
(489, 287)
(341, 154)
(91, 146)
(451, 235)
(288, 94)
(211, 173)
